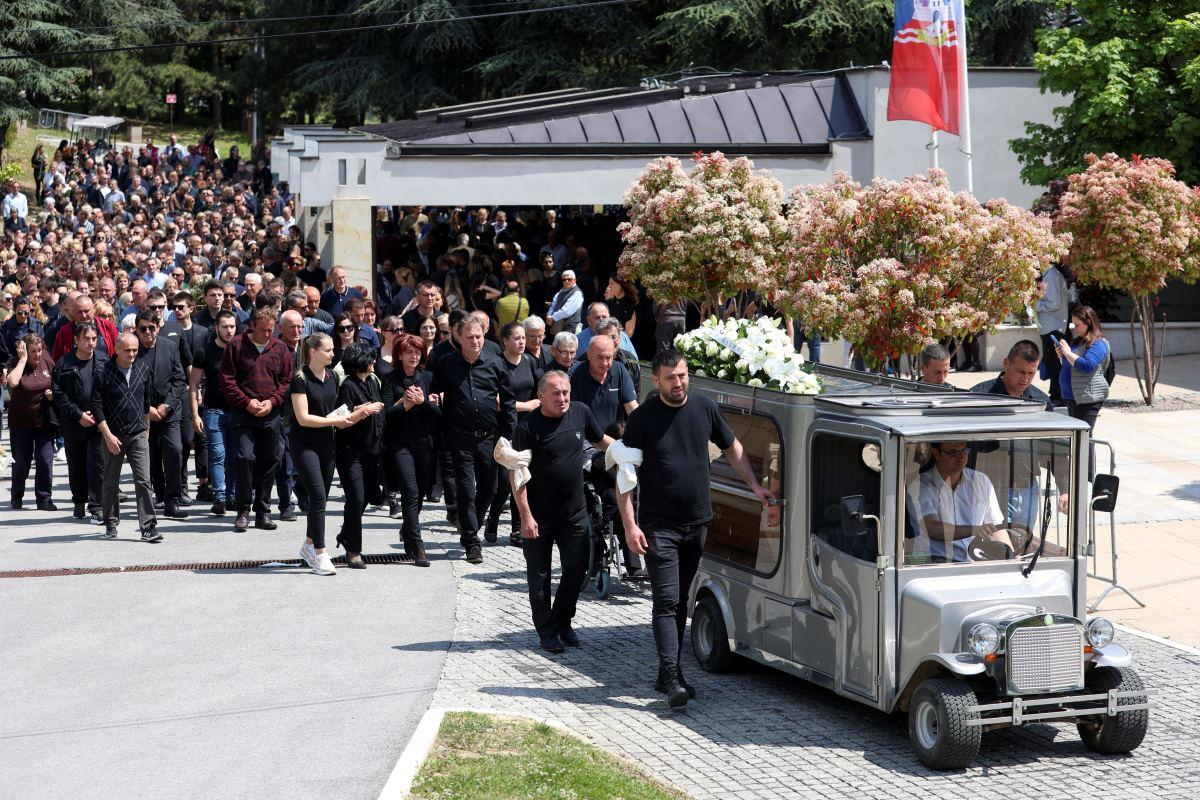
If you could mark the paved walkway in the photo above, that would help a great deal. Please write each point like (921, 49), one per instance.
(762, 734)
(251, 683)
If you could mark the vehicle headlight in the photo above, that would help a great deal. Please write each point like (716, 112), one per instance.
(983, 639)
(1099, 632)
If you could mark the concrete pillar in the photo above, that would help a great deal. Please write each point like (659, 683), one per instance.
(353, 244)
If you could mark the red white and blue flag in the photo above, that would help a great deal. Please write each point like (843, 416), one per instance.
(928, 63)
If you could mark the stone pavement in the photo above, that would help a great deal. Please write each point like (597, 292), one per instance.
(758, 733)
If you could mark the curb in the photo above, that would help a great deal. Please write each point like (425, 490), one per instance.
(1157, 639)
(412, 758)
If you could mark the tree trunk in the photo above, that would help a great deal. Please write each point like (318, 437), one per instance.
(1146, 366)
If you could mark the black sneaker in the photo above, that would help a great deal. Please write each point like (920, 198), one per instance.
(569, 637)
(110, 531)
(122, 497)
(242, 522)
(552, 644)
(173, 511)
(159, 504)
(97, 518)
(265, 522)
(489, 533)
(516, 540)
(205, 493)
(47, 505)
(474, 554)
(185, 499)
(218, 509)
(638, 574)
(151, 535)
(288, 516)
(79, 512)
(394, 510)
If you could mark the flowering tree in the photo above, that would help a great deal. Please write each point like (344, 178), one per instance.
(1134, 226)
(707, 234)
(895, 265)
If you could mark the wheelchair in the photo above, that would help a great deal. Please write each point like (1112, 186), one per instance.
(604, 548)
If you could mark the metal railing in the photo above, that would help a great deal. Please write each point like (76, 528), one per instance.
(1094, 571)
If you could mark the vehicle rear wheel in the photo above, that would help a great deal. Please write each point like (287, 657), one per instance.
(937, 724)
(710, 639)
(1121, 733)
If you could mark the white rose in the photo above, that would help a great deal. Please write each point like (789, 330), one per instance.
(712, 349)
(755, 382)
(723, 374)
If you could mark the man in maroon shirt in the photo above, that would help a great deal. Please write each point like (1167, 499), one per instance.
(256, 371)
(84, 311)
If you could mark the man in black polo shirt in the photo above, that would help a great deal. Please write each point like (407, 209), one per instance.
(428, 295)
(477, 405)
(673, 430)
(1016, 379)
(552, 505)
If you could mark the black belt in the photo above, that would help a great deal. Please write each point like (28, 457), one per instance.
(475, 434)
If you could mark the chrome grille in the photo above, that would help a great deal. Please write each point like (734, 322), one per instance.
(1045, 658)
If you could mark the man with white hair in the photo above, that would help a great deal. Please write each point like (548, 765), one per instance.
(566, 306)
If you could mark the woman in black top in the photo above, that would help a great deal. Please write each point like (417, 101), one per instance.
(314, 398)
(345, 333)
(523, 375)
(622, 299)
(358, 445)
(411, 414)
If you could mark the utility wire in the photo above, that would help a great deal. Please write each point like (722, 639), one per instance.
(247, 20)
(260, 37)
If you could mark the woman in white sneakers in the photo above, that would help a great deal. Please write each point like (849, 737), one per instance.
(314, 397)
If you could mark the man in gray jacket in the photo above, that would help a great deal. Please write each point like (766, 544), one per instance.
(1052, 321)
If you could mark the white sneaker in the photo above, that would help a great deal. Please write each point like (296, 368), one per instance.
(309, 554)
(61, 456)
(323, 565)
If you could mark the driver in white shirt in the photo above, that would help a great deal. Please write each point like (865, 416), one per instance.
(955, 504)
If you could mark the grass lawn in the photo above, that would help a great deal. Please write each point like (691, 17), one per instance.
(481, 756)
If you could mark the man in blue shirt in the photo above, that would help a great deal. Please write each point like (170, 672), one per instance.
(334, 298)
(599, 321)
(604, 386)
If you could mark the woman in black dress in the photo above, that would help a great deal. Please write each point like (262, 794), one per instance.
(358, 445)
(314, 398)
(411, 414)
(622, 299)
(523, 374)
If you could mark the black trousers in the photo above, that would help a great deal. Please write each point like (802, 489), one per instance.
(445, 467)
(85, 465)
(672, 560)
(166, 458)
(314, 470)
(193, 443)
(550, 618)
(259, 442)
(32, 447)
(353, 469)
(606, 486)
(474, 481)
(1053, 365)
(287, 478)
(503, 495)
(413, 466)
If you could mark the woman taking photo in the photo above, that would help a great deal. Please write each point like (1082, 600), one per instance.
(411, 414)
(30, 432)
(1082, 380)
(314, 398)
(523, 376)
(358, 445)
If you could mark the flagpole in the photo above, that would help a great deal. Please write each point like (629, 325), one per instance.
(933, 148)
(964, 128)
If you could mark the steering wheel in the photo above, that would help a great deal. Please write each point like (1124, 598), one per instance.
(982, 549)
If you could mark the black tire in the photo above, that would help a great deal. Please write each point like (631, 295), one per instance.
(710, 639)
(937, 724)
(1124, 732)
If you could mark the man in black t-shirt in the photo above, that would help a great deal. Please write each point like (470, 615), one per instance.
(552, 507)
(673, 430)
(210, 412)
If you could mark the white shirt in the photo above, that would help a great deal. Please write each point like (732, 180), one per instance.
(972, 503)
(15, 200)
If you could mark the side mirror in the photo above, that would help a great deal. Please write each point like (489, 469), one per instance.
(1104, 493)
(853, 507)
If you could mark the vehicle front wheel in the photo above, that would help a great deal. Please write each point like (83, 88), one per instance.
(937, 724)
(710, 640)
(1121, 733)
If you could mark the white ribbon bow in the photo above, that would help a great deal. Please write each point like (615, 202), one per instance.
(626, 459)
(515, 461)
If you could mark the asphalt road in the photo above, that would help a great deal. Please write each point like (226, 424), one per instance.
(264, 682)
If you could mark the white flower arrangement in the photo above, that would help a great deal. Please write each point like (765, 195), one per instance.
(756, 353)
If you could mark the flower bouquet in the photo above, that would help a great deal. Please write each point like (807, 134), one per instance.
(756, 353)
